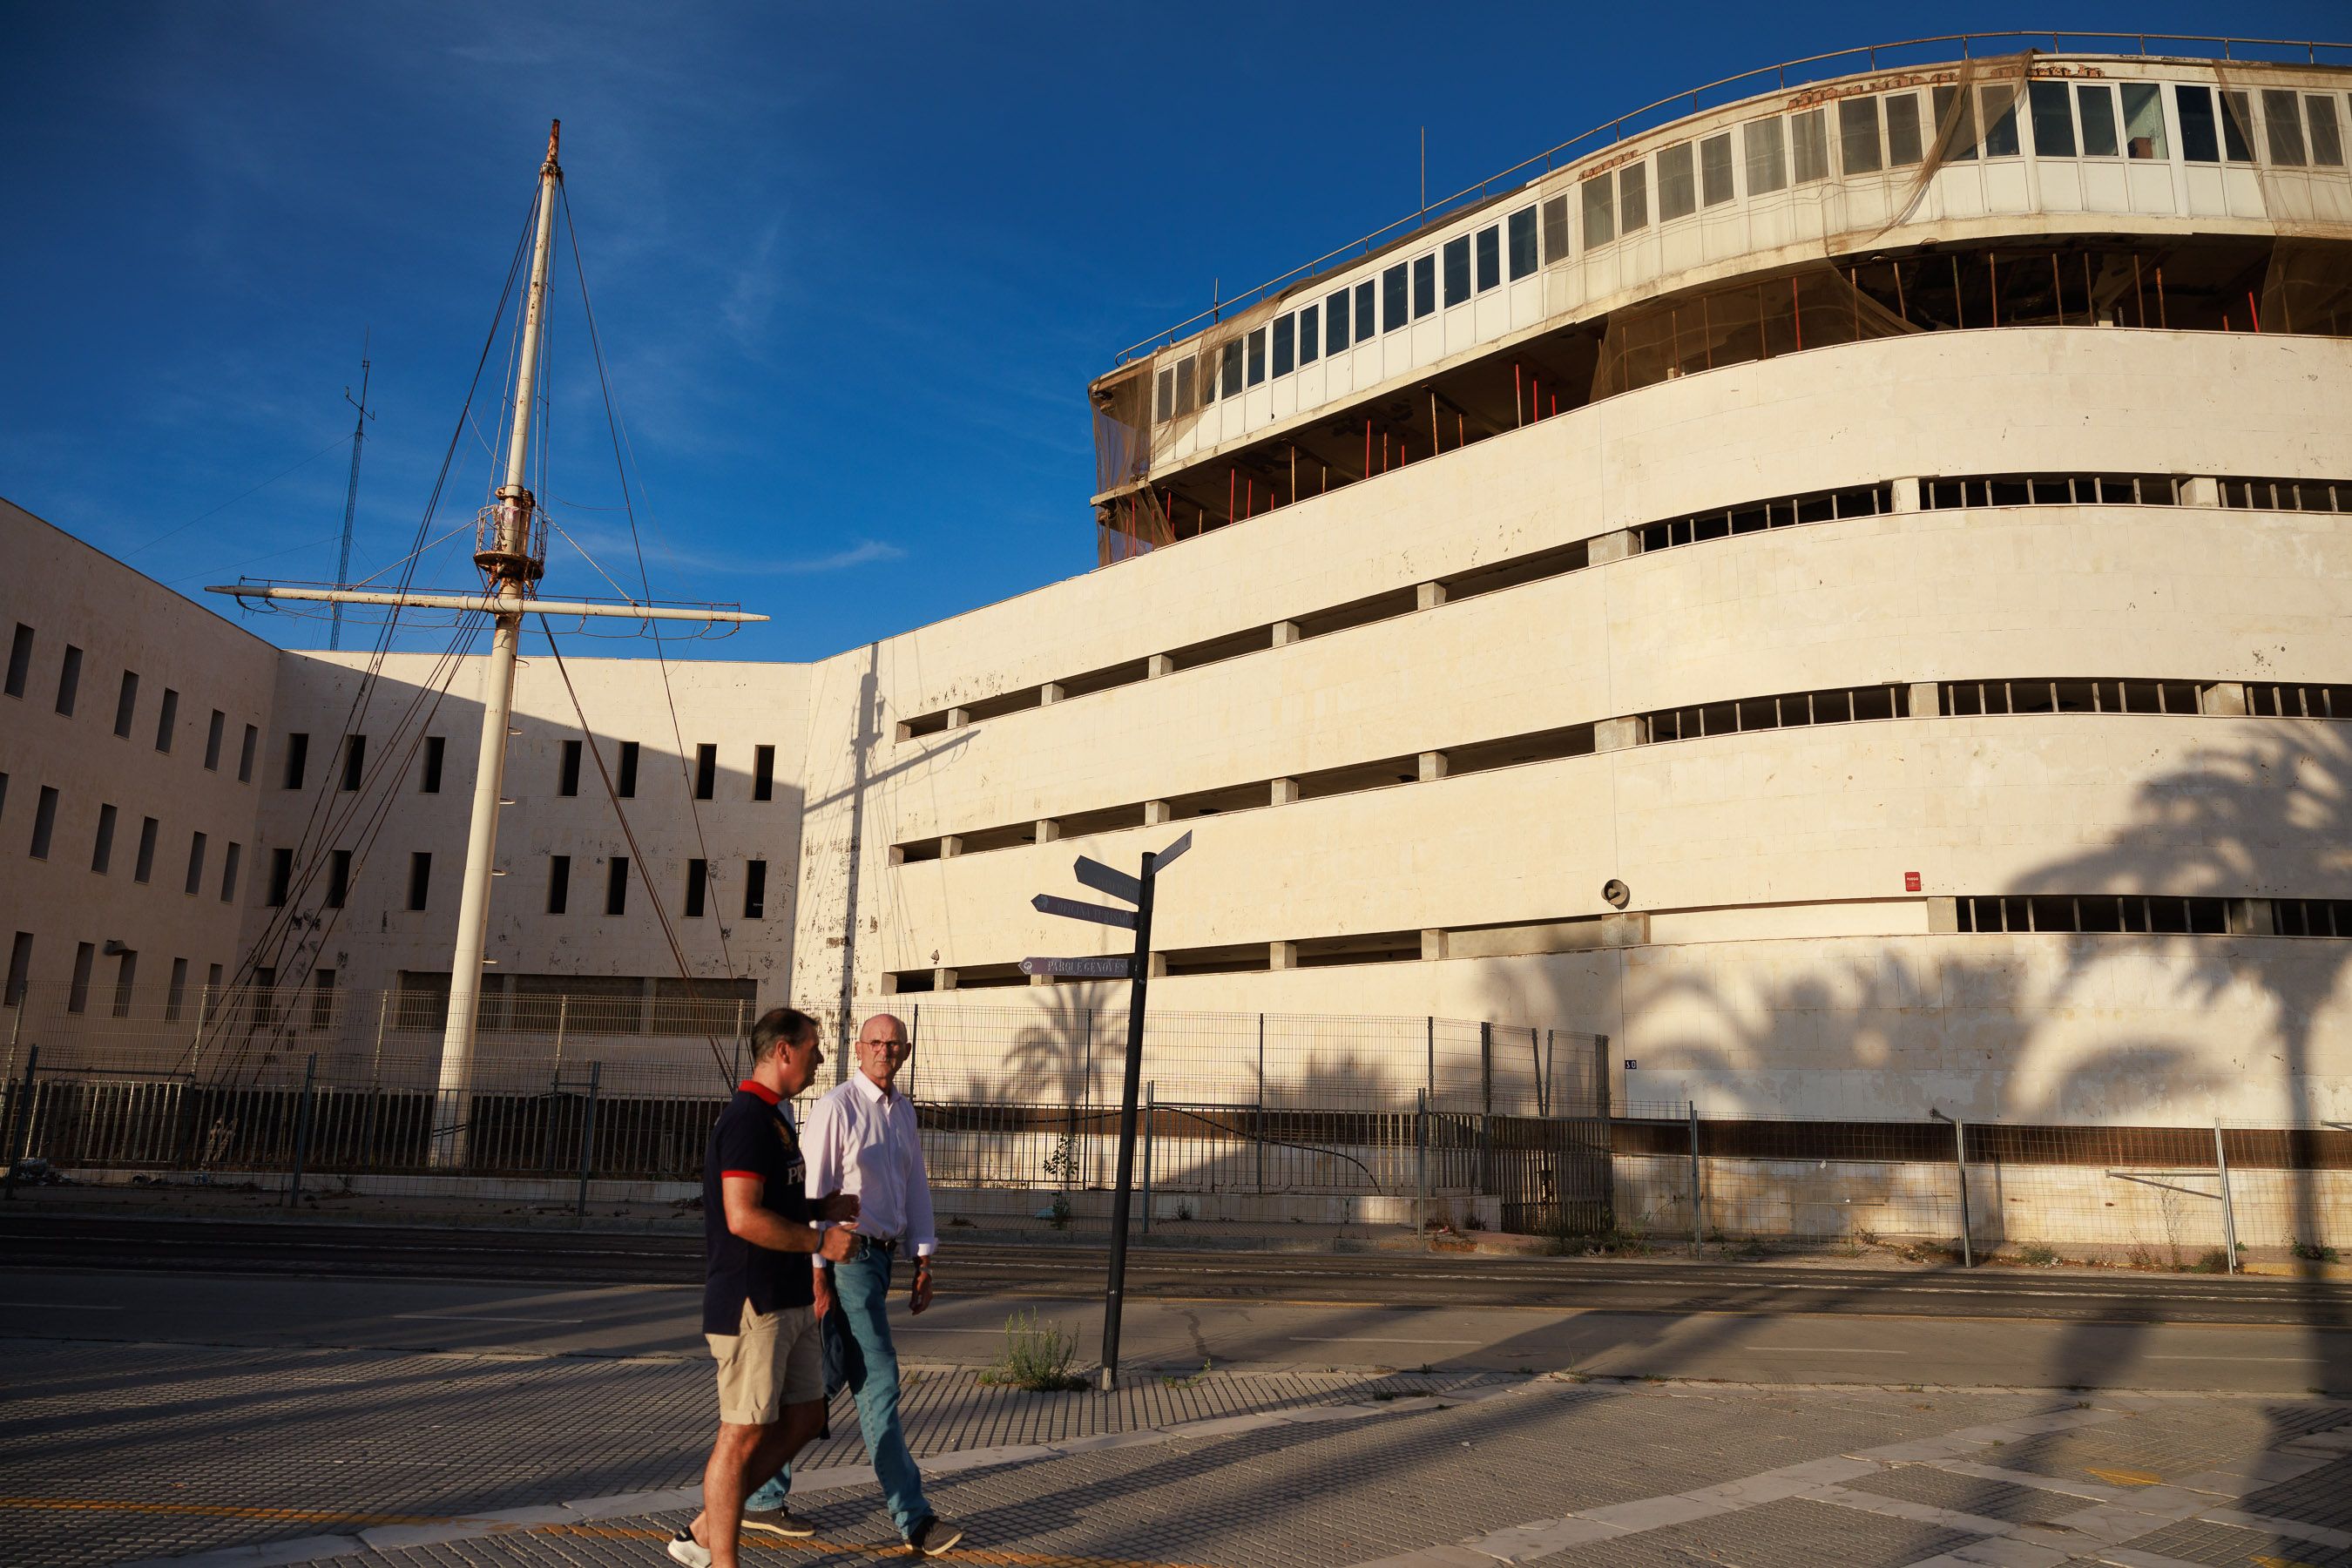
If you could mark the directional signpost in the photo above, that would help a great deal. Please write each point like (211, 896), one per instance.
(1138, 973)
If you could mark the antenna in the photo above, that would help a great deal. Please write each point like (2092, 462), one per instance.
(351, 496)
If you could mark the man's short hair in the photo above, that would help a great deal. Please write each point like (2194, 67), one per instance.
(780, 1027)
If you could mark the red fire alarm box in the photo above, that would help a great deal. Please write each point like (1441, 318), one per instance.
(1910, 881)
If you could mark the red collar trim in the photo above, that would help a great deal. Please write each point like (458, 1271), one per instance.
(754, 1086)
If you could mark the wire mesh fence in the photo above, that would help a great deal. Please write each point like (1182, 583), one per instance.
(1248, 1118)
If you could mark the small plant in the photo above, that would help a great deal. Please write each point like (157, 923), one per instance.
(1037, 1356)
(1058, 1213)
(1185, 1209)
(2037, 1254)
(2212, 1260)
(1190, 1380)
(1474, 1221)
(2315, 1252)
(1062, 1165)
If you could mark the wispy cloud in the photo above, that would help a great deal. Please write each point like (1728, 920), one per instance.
(615, 553)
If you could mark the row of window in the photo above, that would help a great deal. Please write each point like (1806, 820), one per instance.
(2051, 489)
(126, 976)
(1872, 134)
(699, 883)
(2155, 913)
(353, 775)
(101, 851)
(126, 704)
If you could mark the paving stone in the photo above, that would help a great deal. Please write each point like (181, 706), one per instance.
(1797, 1533)
(1968, 1494)
(2202, 1540)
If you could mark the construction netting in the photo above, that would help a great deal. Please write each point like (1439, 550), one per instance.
(1750, 319)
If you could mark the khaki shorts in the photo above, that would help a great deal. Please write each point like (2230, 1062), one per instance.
(777, 1359)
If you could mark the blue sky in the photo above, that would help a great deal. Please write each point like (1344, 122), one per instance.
(853, 266)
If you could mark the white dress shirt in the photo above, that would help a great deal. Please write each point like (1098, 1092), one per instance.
(862, 1140)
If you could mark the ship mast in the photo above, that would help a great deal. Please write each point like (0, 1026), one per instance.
(512, 553)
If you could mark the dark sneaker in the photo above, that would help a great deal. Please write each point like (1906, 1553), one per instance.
(935, 1537)
(778, 1521)
(684, 1548)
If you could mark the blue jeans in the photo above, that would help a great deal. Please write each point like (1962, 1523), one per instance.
(857, 1332)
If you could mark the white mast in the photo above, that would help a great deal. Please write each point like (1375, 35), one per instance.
(513, 556)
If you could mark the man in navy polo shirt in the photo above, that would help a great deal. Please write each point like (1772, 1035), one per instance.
(756, 1294)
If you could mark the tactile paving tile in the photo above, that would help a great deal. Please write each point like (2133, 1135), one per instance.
(1968, 1494)
(2199, 1541)
(1794, 1533)
(2321, 1498)
(2175, 1439)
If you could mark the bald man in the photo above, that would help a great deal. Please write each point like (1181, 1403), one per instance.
(862, 1143)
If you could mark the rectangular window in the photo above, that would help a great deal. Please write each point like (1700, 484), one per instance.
(1633, 198)
(1229, 370)
(1767, 167)
(126, 703)
(212, 733)
(2326, 133)
(2201, 142)
(338, 879)
(143, 869)
(1257, 356)
(281, 878)
(1600, 210)
(698, 884)
(1903, 139)
(764, 773)
(1335, 323)
(1310, 334)
(1677, 182)
(2282, 127)
(1424, 286)
(1956, 124)
(1286, 345)
(436, 748)
(101, 849)
(126, 974)
(420, 880)
(1365, 331)
(755, 889)
(616, 885)
(1808, 144)
(77, 994)
(1524, 262)
(1555, 231)
(559, 883)
(2095, 106)
(20, 969)
(2054, 118)
(567, 770)
(1187, 386)
(167, 721)
(44, 822)
(175, 995)
(1457, 269)
(1395, 308)
(1164, 404)
(2238, 127)
(323, 998)
(20, 659)
(2143, 121)
(229, 871)
(213, 977)
(245, 754)
(627, 783)
(68, 679)
(1490, 258)
(354, 762)
(195, 877)
(1858, 136)
(2001, 137)
(706, 772)
(297, 759)
(1714, 170)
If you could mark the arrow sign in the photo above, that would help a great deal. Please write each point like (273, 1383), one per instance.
(1103, 880)
(1160, 863)
(1085, 968)
(1070, 908)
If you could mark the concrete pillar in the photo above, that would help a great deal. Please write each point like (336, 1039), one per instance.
(2222, 699)
(906, 731)
(1625, 930)
(1433, 766)
(889, 983)
(1048, 830)
(1428, 595)
(950, 846)
(1281, 956)
(1285, 792)
(1285, 633)
(943, 979)
(1943, 916)
(1616, 734)
(1433, 944)
(897, 855)
(1906, 494)
(1926, 698)
(1041, 980)
(1608, 547)
(2252, 917)
(1049, 692)
(1155, 812)
(2201, 489)
(1159, 966)
(958, 718)
(1158, 665)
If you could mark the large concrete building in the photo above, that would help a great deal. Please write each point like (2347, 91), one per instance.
(1843, 592)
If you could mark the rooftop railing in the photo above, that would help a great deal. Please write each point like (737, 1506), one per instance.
(1814, 68)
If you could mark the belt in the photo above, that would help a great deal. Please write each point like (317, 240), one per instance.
(890, 1244)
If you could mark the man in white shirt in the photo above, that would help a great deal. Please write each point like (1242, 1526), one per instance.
(861, 1141)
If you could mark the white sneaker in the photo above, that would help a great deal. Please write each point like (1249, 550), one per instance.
(684, 1548)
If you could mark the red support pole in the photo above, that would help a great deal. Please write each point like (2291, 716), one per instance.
(2253, 310)
(1797, 308)
(1232, 492)
(1518, 403)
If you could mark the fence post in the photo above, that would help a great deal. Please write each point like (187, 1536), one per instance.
(739, 1037)
(588, 1137)
(1259, 1122)
(1151, 1093)
(375, 1078)
(196, 1046)
(1486, 1108)
(1420, 1162)
(1960, 1165)
(302, 1132)
(20, 1118)
(1698, 1223)
(1602, 1099)
(1429, 1083)
(2229, 1214)
(914, 1038)
(563, 1016)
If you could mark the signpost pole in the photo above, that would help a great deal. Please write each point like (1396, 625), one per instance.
(1123, 1192)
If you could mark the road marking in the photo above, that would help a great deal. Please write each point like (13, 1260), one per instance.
(1368, 1340)
(1820, 1350)
(2289, 1360)
(486, 1318)
(62, 1306)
